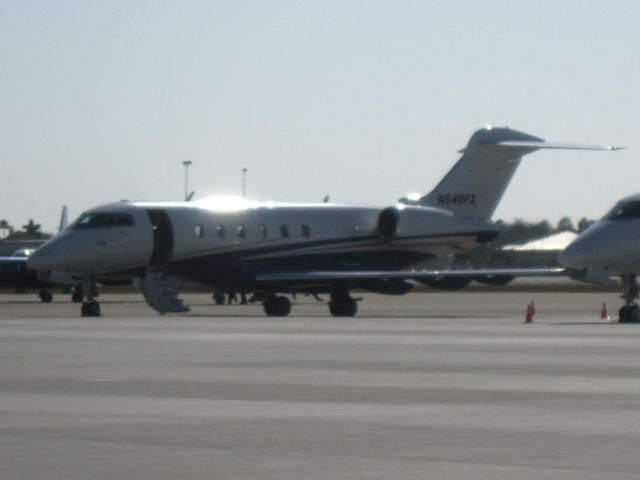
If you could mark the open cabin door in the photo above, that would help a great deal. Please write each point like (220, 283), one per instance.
(159, 290)
(162, 236)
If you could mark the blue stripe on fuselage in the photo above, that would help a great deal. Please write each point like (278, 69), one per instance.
(236, 268)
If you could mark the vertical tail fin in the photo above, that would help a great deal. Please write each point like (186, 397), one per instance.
(64, 219)
(476, 183)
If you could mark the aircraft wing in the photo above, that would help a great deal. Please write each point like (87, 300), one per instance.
(319, 275)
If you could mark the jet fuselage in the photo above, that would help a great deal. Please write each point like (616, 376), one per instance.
(227, 243)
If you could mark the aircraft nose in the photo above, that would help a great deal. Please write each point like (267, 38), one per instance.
(574, 256)
(53, 255)
(42, 259)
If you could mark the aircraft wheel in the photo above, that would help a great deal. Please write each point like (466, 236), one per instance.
(218, 297)
(45, 296)
(94, 309)
(629, 314)
(90, 309)
(346, 308)
(277, 306)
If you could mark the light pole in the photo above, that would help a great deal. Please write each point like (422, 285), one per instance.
(244, 182)
(187, 164)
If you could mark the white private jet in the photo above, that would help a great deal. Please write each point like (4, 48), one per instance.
(610, 248)
(245, 246)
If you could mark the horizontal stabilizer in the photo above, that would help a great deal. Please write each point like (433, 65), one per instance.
(526, 145)
(318, 276)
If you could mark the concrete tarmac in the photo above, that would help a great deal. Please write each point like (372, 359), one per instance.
(443, 386)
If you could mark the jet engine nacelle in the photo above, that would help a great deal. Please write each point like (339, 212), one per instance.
(388, 221)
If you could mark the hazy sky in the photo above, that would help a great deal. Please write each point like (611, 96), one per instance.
(362, 100)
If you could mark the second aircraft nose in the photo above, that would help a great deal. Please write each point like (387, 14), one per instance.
(53, 255)
(42, 259)
(574, 256)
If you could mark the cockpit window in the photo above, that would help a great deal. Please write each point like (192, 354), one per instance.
(102, 219)
(90, 220)
(119, 220)
(624, 211)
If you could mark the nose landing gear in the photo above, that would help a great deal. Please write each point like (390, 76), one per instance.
(45, 295)
(90, 307)
(630, 312)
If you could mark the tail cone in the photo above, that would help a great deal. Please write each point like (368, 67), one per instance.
(603, 312)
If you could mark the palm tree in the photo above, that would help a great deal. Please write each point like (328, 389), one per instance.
(32, 228)
(5, 228)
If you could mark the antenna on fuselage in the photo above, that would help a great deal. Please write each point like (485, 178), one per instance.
(187, 164)
(244, 182)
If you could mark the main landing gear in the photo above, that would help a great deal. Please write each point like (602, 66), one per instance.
(277, 306)
(90, 307)
(630, 312)
(342, 304)
(45, 295)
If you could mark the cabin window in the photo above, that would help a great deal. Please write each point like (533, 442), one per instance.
(284, 231)
(242, 231)
(262, 231)
(220, 231)
(306, 231)
(199, 230)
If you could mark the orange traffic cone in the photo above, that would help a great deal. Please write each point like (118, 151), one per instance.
(603, 313)
(529, 316)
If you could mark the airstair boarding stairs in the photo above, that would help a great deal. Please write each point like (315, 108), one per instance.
(161, 292)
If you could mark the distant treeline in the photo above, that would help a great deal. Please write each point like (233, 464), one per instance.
(30, 231)
(521, 231)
